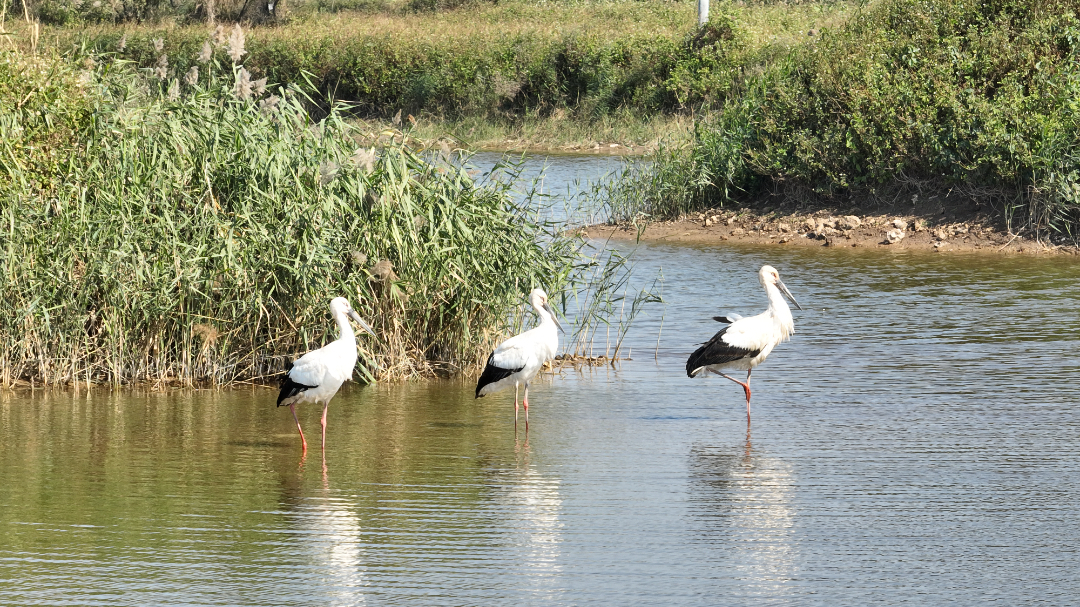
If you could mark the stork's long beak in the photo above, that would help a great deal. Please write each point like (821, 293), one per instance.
(363, 325)
(784, 290)
(547, 307)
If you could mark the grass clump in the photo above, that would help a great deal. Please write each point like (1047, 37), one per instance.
(192, 228)
(946, 94)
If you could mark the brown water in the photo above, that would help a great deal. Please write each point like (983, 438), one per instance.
(917, 442)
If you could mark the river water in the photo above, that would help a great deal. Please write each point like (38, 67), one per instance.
(916, 442)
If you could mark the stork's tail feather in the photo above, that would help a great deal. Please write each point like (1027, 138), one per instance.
(693, 364)
(289, 389)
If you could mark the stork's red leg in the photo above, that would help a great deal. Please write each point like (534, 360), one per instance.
(292, 407)
(325, 406)
(746, 388)
(526, 403)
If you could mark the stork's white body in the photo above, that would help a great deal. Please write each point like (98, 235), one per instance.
(326, 369)
(527, 352)
(757, 334)
(517, 360)
(318, 375)
(746, 342)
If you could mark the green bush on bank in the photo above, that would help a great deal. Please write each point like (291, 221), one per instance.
(194, 228)
(951, 92)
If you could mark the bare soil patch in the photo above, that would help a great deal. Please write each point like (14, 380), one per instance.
(926, 227)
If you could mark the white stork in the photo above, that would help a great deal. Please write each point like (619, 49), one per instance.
(746, 342)
(516, 360)
(316, 376)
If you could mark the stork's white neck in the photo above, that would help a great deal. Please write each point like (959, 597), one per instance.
(780, 310)
(345, 329)
(545, 316)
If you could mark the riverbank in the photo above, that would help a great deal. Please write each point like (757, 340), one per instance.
(914, 228)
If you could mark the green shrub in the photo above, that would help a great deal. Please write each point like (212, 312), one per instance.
(949, 92)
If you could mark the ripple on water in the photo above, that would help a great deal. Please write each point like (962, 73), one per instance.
(915, 442)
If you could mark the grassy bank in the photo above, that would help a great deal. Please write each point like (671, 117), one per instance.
(604, 62)
(193, 228)
(972, 100)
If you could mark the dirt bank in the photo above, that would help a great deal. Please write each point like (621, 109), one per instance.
(927, 231)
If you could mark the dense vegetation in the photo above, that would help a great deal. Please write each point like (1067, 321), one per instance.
(826, 99)
(979, 97)
(193, 228)
(581, 59)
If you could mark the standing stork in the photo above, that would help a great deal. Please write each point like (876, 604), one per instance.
(316, 376)
(516, 360)
(746, 342)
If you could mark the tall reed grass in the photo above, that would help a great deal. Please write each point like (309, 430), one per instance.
(191, 228)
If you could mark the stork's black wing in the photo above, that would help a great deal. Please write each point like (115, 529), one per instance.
(492, 374)
(716, 351)
(290, 388)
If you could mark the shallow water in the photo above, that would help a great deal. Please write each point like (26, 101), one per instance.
(562, 185)
(917, 441)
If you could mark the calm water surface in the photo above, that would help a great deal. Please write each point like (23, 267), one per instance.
(916, 442)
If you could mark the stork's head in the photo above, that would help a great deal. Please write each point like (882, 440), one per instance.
(339, 306)
(768, 275)
(539, 300)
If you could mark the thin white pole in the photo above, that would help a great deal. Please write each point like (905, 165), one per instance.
(702, 12)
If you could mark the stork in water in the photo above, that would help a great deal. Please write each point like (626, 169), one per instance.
(746, 342)
(516, 360)
(316, 376)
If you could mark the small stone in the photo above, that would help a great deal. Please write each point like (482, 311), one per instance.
(708, 222)
(849, 222)
(783, 227)
(940, 234)
(894, 236)
(738, 232)
(899, 224)
(731, 220)
(784, 239)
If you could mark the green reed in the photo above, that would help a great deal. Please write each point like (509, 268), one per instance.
(193, 230)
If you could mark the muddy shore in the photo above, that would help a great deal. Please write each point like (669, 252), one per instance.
(829, 228)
